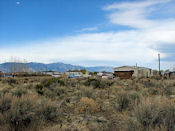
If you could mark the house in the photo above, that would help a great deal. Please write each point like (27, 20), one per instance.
(172, 74)
(126, 72)
(74, 73)
(86, 75)
(107, 75)
(52, 73)
(100, 74)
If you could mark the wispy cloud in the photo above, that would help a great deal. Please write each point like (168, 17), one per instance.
(89, 29)
(134, 14)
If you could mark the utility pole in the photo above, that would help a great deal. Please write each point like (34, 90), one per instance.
(159, 64)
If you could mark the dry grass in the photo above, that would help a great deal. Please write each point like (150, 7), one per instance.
(90, 104)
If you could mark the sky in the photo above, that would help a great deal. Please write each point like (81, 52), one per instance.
(89, 32)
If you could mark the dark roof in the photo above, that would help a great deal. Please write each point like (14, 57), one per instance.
(125, 71)
(73, 71)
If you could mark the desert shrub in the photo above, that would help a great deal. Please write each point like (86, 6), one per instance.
(127, 100)
(156, 114)
(169, 90)
(132, 124)
(60, 90)
(47, 83)
(95, 83)
(28, 86)
(116, 123)
(5, 103)
(49, 93)
(10, 81)
(21, 115)
(123, 101)
(39, 89)
(146, 113)
(98, 83)
(87, 105)
(166, 117)
(19, 92)
(86, 92)
(47, 111)
(91, 82)
(148, 83)
(134, 97)
(154, 91)
(4, 91)
(163, 90)
(103, 84)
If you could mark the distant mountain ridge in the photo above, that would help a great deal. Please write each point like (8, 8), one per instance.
(61, 67)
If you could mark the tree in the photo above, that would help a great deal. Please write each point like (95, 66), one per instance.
(83, 71)
(104, 71)
(167, 70)
(95, 73)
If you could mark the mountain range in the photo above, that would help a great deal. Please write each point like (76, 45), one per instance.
(60, 67)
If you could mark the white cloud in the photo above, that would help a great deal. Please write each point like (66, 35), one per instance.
(122, 46)
(134, 14)
(17, 2)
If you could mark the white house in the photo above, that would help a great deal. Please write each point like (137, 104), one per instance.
(52, 73)
(74, 73)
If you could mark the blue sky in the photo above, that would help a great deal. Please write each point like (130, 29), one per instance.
(89, 32)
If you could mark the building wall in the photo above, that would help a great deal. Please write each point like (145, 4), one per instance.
(172, 74)
(123, 74)
(74, 73)
(142, 72)
(138, 71)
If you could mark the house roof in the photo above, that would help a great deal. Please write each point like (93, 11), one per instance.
(73, 71)
(133, 67)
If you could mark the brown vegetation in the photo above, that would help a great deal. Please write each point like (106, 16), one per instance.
(51, 104)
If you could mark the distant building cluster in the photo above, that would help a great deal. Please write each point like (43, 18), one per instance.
(124, 72)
